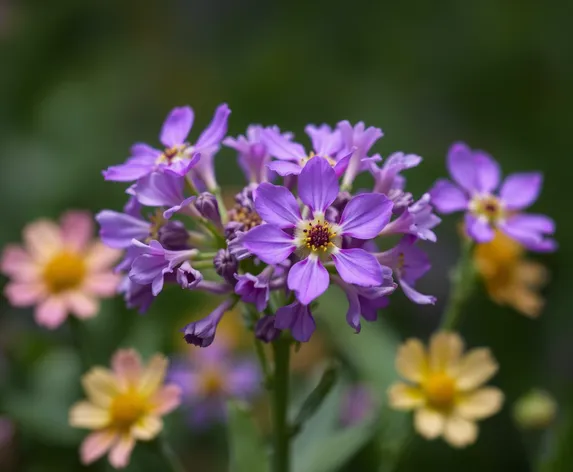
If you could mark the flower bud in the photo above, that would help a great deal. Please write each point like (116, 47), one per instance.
(535, 410)
(265, 329)
(207, 206)
(226, 265)
(174, 236)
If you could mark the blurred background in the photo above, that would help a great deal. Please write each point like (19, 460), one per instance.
(81, 81)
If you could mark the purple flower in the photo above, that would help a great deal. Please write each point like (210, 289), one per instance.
(118, 229)
(202, 333)
(255, 289)
(365, 301)
(417, 219)
(188, 277)
(210, 377)
(265, 329)
(253, 153)
(163, 189)
(361, 139)
(358, 405)
(315, 238)
(292, 156)
(154, 262)
(387, 179)
(178, 155)
(298, 318)
(477, 176)
(409, 264)
(135, 295)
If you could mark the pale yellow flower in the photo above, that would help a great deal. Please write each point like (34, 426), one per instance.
(509, 278)
(125, 404)
(445, 389)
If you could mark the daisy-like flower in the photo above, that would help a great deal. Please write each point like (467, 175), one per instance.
(445, 388)
(477, 177)
(509, 277)
(210, 377)
(125, 405)
(292, 157)
(316, 239)
(60, 269)
(178, 155)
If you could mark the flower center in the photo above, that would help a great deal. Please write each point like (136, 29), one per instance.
(157, 221)
(304, 160)
(246, 216)
(440, 390)
(488, 207)
(126, 409)
(174, 154)
(317, 235)
(66, 270)
(212, 382)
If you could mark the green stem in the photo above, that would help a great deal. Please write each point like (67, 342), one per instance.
(463, 283)
(170, 456)
(267, 378)
(281, 429)
(79, 341)
(221, 204)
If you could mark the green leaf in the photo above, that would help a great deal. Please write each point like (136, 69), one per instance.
(247, 452)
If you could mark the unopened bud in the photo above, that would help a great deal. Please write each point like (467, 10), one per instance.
(226, 265)
(265, 329)
(206, 204)
(174, 236)
(535, 410)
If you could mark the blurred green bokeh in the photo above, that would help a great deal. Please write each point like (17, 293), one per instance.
(81, 81)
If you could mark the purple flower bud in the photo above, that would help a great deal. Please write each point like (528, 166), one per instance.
(174, 236)
(265, 329)
(188, 277)
(202, 333)
(206, 204)
(255, 289)
(226, 265)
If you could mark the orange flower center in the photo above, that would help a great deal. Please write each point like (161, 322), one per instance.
(65, 271)
(304, 161)
(212, 382)
(440, 390)
(126, 409)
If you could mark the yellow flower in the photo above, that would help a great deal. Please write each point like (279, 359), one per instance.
(446, 388)
(125, 404)
(509, 278)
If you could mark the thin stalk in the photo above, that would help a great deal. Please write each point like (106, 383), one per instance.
(170, 456)
(462, 286)
(221, 204)
(281, 429)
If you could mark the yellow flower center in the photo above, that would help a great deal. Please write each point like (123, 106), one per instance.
(174, 154)
(212, 382)
(317, 235)
(66, 270)
(304, 161)
(440, 390)
(488, 207)
(248, 217)
(157, 221)
(126, 409)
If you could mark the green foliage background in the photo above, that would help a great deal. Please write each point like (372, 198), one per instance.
(81, 81)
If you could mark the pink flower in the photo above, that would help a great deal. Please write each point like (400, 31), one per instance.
(59, 269)
(125, 404)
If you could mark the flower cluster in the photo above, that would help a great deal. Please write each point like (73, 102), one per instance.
(294, 229)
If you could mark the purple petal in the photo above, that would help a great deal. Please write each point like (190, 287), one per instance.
(144, 151)
(309, 279)
(184, 205)
(131, 170)
(118, 229)
(356, 266)
(478, 229)
(461, 165)
(521, 190)
(414, 295)
(276, 205)
(269, 243)
(354, 311)
(284, 168)
(366, 215)
(298, 319)
(182, 167)
(447, 197)
(281, 147)
(317, 184)
(216, 130)
(487, 172)
(176, 126)
(342, 164)
(159, 189)
(325, 141)
(528, 229)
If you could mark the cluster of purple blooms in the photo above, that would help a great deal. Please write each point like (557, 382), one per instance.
(280, 246)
